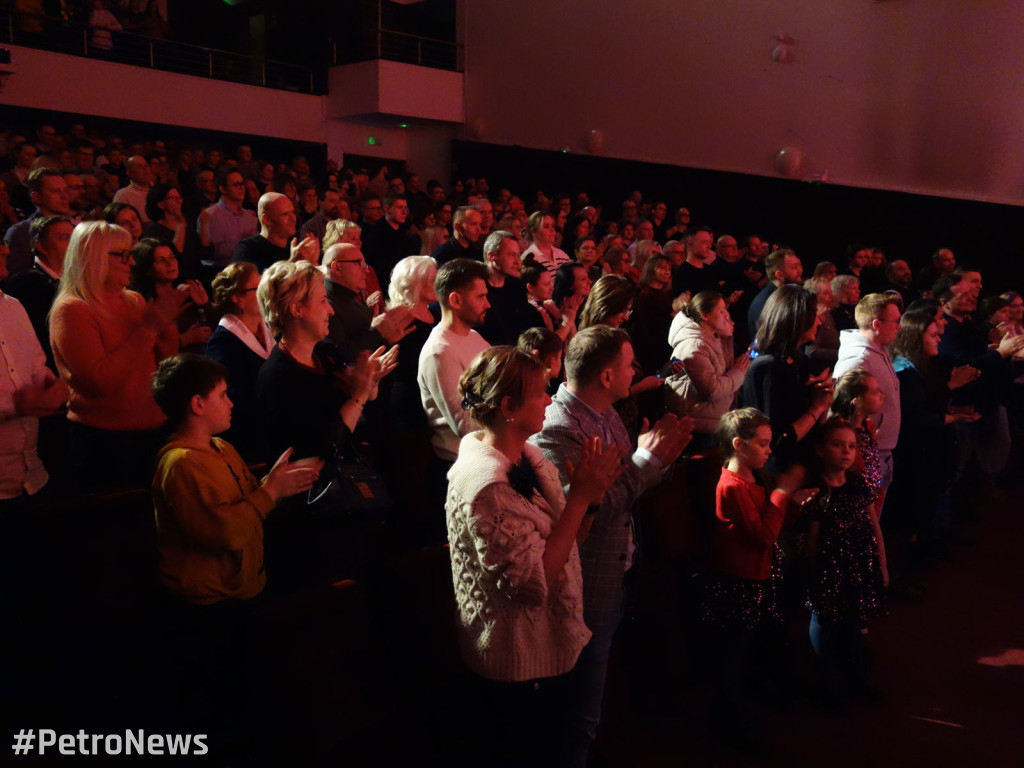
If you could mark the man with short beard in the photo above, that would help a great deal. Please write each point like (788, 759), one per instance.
(510, 313)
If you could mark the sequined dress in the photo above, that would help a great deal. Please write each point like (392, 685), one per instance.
(847, 583)
(732, 602)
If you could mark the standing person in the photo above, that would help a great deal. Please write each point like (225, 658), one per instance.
(276, 240)
(651, 319)
(540, 287)
(599, 371)
(705, 388)
(167, 223)
(783, 267)
(140, 177)
(310, 401)
(223, 225)
(515, 562)
(36, 287)
(777, 382)
(49, 194)
(540, 232)
(155, 272)
(106, 342)
(209, 524)
(241, 343)
(510, 310)
(465, 242)
(461, 288)
(847, 579)
(918, 508)
(878, 321)
(28, 391)
(824, 349)
(743, 589)
(412, 287)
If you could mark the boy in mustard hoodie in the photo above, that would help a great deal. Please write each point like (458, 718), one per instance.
(209, 507)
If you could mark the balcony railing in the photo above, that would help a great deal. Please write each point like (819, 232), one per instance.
(63, 36)
(370, 37)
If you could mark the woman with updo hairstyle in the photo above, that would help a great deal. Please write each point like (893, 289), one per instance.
(107, 341)
(241, 343)
(126, 217)
(778, 382)
(515, 563)
(711, 375)
(155, 271)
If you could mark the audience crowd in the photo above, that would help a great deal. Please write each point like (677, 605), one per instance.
(407, 364)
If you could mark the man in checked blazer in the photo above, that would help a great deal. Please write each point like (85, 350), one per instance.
(599, 371)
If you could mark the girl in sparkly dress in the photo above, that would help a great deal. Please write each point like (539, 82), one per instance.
(847, 583)
(742, 588)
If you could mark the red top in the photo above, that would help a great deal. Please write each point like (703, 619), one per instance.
(746, 526)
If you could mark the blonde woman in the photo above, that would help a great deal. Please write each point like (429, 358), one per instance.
(107, 341)
(307, 398)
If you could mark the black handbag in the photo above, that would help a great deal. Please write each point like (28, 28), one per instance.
(348, 483)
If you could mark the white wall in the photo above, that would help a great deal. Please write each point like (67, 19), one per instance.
(914, 95)
(45, 80)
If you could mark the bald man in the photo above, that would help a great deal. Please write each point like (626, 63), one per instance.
(276, 240)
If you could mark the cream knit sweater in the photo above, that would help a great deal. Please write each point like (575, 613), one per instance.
(511, 627)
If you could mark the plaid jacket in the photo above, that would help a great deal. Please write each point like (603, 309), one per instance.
(606, 554)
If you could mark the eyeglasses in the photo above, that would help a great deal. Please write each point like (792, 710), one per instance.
(360, 262)
(124, 256)
(243, 291)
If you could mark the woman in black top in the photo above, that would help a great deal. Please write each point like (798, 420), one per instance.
(777, 383)
(241, 343)
(310, 401)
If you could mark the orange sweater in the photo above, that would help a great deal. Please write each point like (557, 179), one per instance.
(107, 362)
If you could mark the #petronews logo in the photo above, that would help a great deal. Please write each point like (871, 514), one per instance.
(136, 742)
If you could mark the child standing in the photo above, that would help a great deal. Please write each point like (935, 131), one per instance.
(856, 395)
(742, 589)
(209, 519)
(847, 583)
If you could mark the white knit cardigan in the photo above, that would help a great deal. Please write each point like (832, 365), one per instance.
(511, 626)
